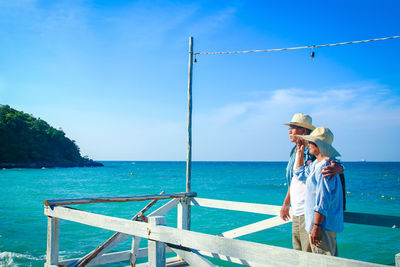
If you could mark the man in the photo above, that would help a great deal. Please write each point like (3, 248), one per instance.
(301, 124)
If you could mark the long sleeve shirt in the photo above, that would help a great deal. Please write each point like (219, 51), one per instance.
(308, 157)
(323, 195)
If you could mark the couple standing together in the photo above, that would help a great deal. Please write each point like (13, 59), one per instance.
(315, 188)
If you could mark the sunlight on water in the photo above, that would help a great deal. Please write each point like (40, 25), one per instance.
(371, 188)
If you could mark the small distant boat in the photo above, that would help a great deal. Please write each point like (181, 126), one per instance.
(363, 160)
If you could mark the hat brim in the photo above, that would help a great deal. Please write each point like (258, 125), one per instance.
(326, 149)
(304, 125)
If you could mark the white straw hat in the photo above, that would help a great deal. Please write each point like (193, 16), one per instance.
(323, 138)
(301, 120)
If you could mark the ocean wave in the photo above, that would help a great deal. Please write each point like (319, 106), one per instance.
(7, 258)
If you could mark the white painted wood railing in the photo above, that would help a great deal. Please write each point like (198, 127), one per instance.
(191, 246)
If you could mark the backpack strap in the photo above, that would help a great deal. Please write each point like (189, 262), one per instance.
(342, 180)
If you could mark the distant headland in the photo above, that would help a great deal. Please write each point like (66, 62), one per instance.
(28, 142)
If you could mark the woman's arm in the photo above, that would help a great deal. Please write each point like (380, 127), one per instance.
(315, 235)
(323, 201)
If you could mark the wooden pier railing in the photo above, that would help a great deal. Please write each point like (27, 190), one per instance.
(189, 246)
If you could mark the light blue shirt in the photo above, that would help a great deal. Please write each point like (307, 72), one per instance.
(322, 195)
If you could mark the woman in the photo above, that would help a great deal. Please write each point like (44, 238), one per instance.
(324, 197)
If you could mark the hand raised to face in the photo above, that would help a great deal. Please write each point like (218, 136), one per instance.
(300, 145)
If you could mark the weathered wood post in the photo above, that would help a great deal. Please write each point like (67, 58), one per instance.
(184, 214)
(53, 241)
(156, 249)
(134, 250)
(186, 204)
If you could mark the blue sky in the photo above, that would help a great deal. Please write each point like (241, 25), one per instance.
(113, 75)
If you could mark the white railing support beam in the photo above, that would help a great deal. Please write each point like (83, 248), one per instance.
(134, 250)
(183, 214)
(53, 241)
(157, 254)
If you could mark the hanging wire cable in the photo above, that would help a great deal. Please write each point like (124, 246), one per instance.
(295, 48)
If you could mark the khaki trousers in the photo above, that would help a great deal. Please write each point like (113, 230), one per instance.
(328, 245)
(301, 240)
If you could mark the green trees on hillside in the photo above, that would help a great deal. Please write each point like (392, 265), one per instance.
(29, 142)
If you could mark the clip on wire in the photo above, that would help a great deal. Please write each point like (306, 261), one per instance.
(312, 53)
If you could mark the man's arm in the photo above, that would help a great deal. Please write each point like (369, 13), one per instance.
(301, 170)
(286, 207)
(300, 153)
(333, 169)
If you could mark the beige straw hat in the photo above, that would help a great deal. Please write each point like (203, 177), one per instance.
(323, 138)
(301, 120)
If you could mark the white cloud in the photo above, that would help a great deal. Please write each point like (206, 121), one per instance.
(365, 126)
(358, 116)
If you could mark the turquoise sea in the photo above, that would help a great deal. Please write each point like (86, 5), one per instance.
(372, 187)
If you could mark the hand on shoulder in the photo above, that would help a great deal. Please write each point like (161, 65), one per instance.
(331, 168)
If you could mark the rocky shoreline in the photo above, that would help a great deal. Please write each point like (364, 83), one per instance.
(39, 165)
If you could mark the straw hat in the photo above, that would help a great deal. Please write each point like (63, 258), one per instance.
(301, 120)
(323, 138)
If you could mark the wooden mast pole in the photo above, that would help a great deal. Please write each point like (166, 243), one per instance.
(189, 125)
(184, 214)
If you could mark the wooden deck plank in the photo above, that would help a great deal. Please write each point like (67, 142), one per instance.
(244, 250)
